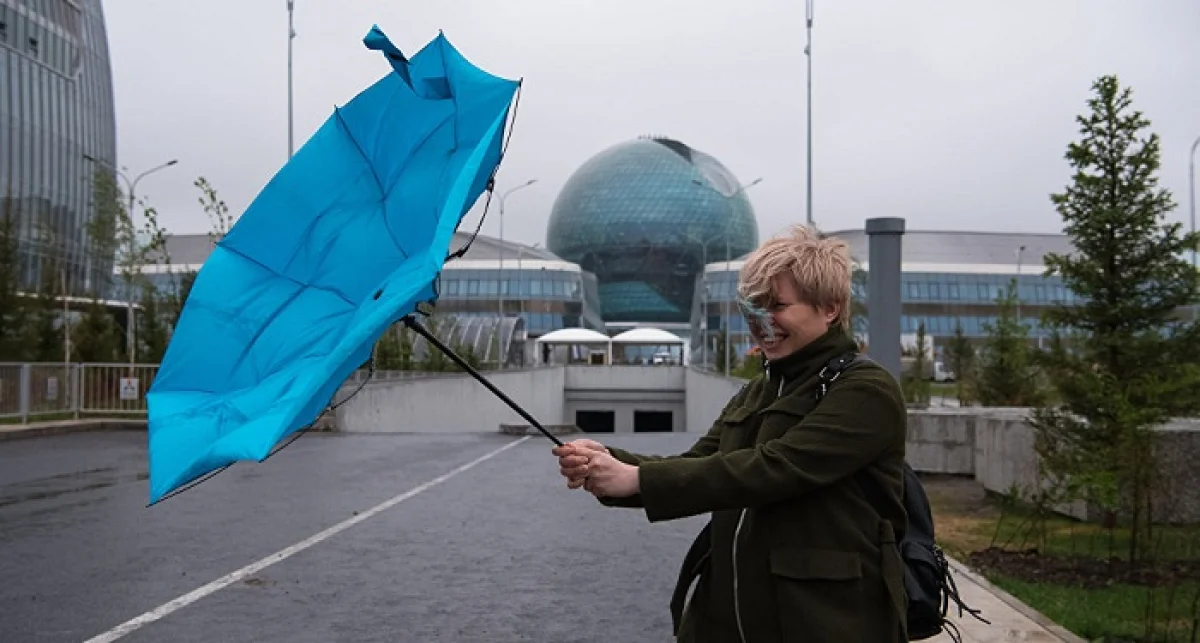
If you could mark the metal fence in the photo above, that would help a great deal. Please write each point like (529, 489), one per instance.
(39, 391)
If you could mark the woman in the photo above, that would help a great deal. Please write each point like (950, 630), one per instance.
(805, 496)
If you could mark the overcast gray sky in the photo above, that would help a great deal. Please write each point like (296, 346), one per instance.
(951, 113)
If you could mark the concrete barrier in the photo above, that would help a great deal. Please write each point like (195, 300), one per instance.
(996, 447)
(455, 403)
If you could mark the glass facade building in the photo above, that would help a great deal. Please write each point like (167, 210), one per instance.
(949, 280)
(57, 128)
(532, 290)
(644, 217)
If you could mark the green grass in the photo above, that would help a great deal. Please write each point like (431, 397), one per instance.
(1091, 605)
(1114, 613)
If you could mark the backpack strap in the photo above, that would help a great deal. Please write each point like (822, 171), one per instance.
(834, 368)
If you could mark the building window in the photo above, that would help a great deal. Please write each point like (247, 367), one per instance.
(33, 45)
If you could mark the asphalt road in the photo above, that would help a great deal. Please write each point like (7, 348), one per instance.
(498, 551)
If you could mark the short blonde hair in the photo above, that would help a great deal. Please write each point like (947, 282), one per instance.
(819, 265)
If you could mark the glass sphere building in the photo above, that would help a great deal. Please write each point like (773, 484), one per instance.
(645, 216)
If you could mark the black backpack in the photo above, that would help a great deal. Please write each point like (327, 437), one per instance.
(927, 579)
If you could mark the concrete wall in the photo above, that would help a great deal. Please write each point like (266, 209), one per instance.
(455, 403)
(625, 390)
(996, 447)
(707, 395)
(619, 379)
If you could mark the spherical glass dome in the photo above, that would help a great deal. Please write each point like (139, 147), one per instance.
(644, 216)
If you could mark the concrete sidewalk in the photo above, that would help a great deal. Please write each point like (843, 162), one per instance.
(1011, 620)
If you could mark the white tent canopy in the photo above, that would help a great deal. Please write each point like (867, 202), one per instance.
(577, 336)
(647, 336)
(573, 336)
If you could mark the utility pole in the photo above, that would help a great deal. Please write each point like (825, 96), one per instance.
(291, 37)
(808, 14)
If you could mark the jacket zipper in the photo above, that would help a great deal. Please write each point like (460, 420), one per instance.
(737, 606)
(737, 611)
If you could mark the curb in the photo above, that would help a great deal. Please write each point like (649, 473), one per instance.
(1037, 617)
(526, 429)
(23, 432)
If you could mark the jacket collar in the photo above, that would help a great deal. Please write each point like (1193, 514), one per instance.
(808, 361)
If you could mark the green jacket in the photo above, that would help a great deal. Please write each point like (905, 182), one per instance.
(785, 479)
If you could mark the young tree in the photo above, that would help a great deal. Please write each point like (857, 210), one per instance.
(858, 302)
(1007, 374)
(916, 388)
(1121, 361)
(960, 357)
(12, 306)
(96, 336)
(43, 334)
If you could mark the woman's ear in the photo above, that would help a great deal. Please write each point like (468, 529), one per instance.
(831, 313)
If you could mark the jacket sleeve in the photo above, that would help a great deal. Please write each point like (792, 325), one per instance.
(706, 446)
(856, 422)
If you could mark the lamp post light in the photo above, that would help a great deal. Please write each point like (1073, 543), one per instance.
(808, 15)
(1192, 190)
(131, 186)
(1192, 208)
(728, 260)
(291, 36)
(500, 278)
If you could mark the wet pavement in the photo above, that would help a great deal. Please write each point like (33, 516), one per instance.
(499, 551)
(386, 537)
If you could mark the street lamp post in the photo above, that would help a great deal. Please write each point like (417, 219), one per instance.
(1020, 250)
(808, 14)
(728, 259)
(291, 37)
(500, 278)
(1192, 190)
(130, 333)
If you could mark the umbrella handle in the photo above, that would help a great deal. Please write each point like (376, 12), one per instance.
(412, 323)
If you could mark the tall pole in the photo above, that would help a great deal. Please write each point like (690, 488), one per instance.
(291, 37)
(885, 259)
(728, 226)
(131, 323)
(1192, 190)
(130, 336)
(500, 277)
(808, 11)
(1192, 207)
(725, 312)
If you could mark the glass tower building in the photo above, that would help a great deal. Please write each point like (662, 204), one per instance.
(57, 129)
(645, 216)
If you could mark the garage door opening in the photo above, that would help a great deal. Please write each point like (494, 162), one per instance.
(652, 421)
(596, 421)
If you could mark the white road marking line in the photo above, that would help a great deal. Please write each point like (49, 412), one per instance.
(191, 597)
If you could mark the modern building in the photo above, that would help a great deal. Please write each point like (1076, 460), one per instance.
(949, 280)
(645, 216)
(57, 129)
(533, 290)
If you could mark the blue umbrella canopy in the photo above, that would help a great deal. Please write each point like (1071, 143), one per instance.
(347, 238)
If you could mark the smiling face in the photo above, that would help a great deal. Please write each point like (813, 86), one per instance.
(794, 323)
(793, 288)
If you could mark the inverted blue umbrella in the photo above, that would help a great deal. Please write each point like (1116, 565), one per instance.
(348, 238)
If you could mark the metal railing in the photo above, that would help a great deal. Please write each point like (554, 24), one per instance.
(39, 391)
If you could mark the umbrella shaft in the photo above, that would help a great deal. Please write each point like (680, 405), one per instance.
(429, 337)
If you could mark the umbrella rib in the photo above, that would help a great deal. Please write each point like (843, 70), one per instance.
(403, 167)
(333, 291)
(383, 193)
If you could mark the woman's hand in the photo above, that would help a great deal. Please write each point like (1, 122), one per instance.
(588, 464)
(574, 458)
(608, 477)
